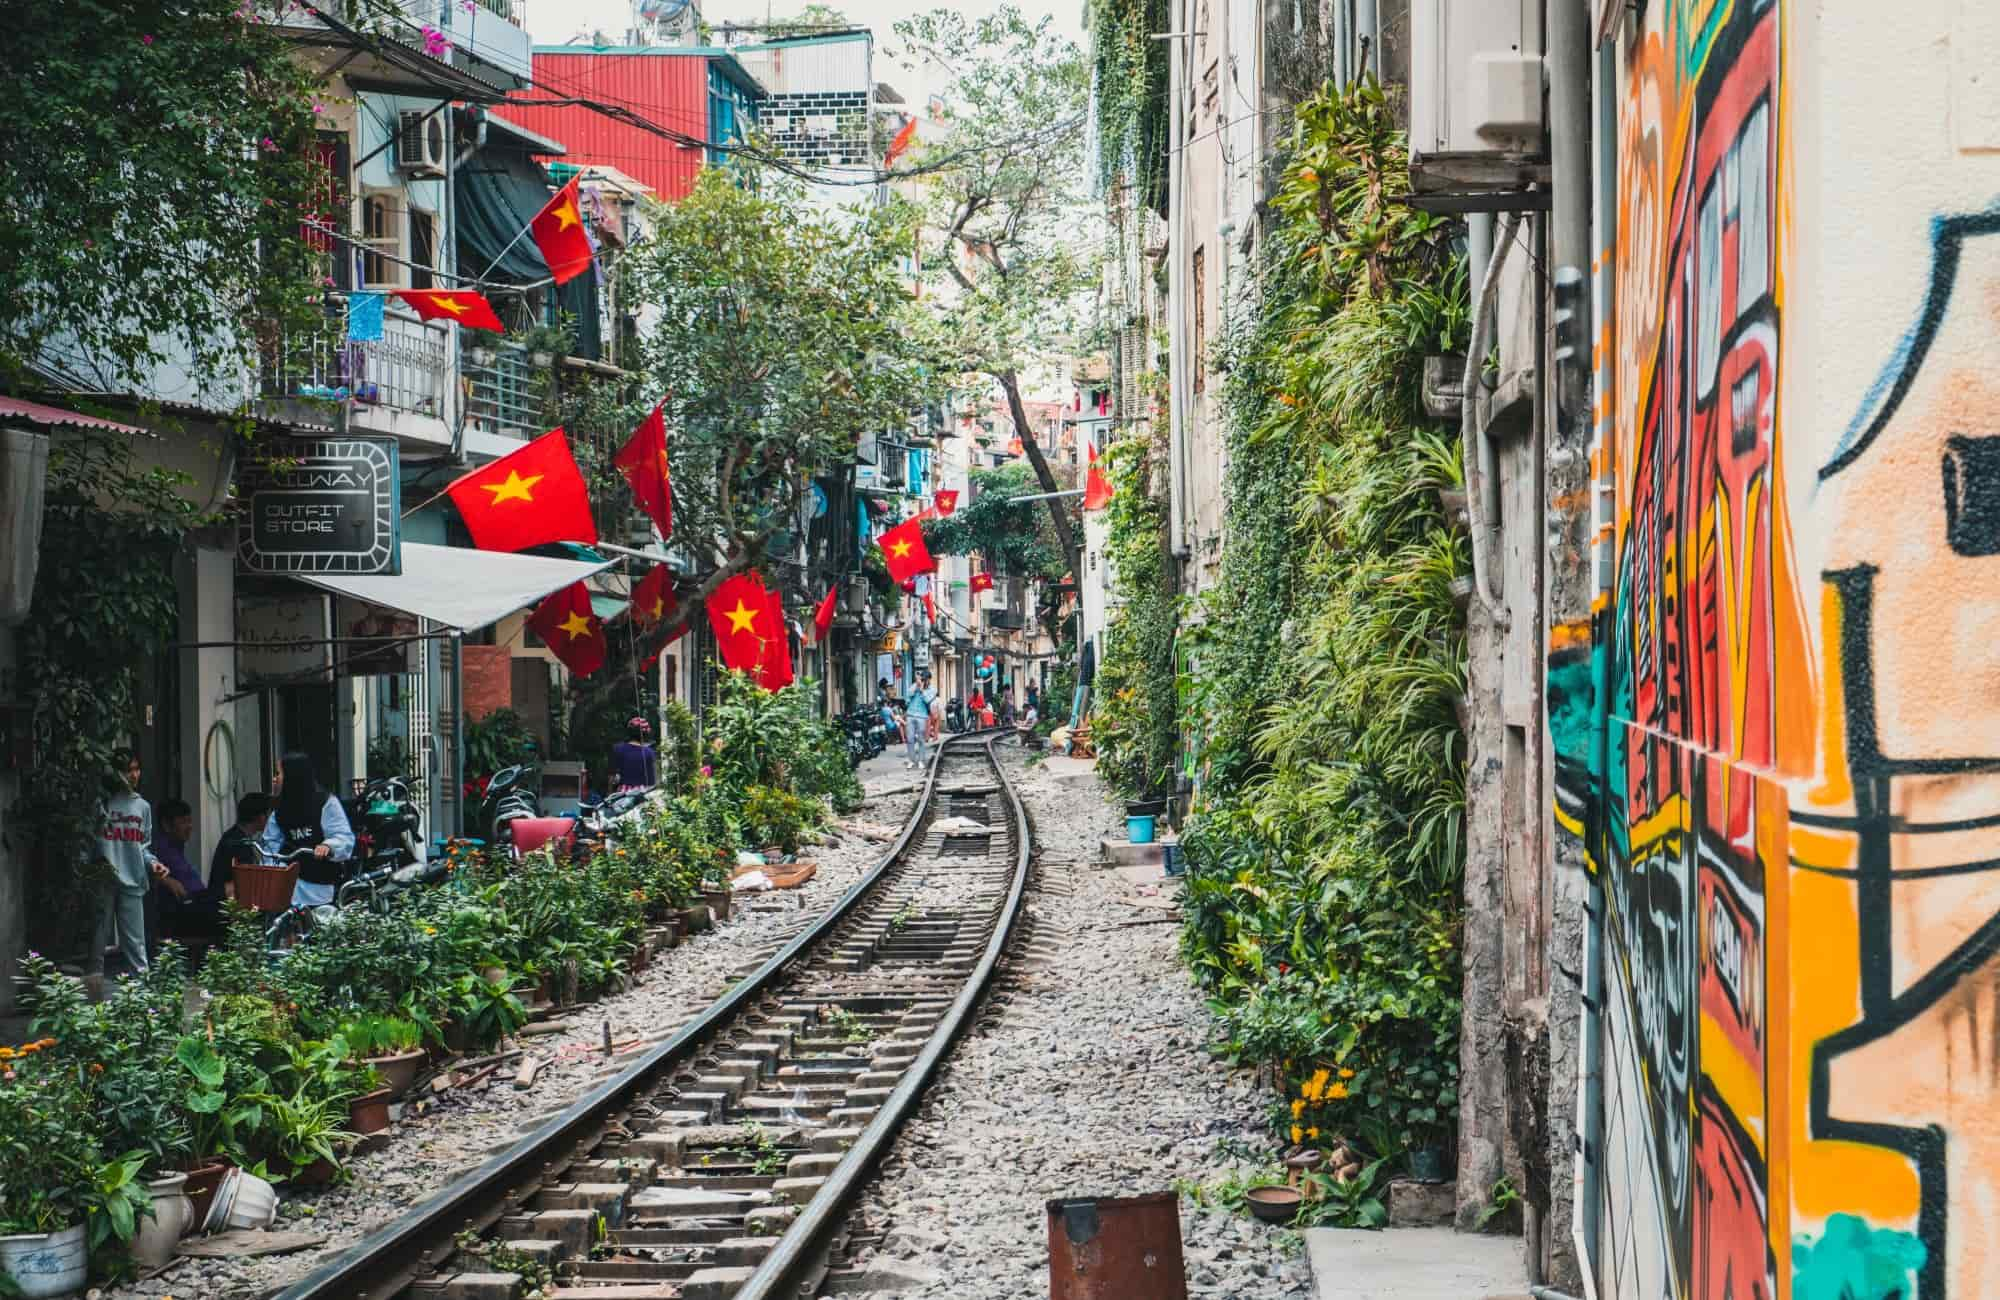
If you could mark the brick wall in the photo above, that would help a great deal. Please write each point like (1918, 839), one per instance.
(489, 680)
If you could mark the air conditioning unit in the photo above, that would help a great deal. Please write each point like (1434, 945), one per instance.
(420, 144)
(1476, 119)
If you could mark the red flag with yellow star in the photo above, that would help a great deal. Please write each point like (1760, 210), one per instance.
(774, 668)
(1097, 489)
(526, 498)
(559, 233)
(653, 598)
(903, 550)
(823, 616)
(643, 462)
(982, 582)
(462, 305)
(740, 612)
(947, 501)
(573, 632)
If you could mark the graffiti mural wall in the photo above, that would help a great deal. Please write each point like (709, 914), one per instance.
(1788, 782)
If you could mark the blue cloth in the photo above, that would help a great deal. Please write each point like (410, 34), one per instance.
(364, 316)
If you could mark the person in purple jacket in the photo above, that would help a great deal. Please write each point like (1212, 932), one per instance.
(634, 764)
(190, 909)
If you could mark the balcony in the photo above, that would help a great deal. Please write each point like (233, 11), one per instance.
(400, 384)
(490, 54)
(505, 390)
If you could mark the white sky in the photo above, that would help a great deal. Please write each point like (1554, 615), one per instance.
(552, 22)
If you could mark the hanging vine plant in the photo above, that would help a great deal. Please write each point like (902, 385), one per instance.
(1129, 95)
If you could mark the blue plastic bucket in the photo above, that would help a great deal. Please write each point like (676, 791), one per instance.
(1139, 830)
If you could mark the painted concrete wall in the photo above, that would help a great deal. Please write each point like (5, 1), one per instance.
(1793, 807)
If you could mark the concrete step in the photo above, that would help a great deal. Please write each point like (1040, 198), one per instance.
(1415, 1264)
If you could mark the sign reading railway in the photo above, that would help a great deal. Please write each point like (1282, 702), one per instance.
(324, 505)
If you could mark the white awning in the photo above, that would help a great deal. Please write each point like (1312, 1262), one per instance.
(459, 587)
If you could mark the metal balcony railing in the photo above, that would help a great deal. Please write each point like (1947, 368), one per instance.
(504, 390)
(407, 368)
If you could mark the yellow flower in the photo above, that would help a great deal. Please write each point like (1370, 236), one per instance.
(1298, 1107)
(1316, 1086)
(1336, 1092)
(1298, 1134)
(8, 1053)
(430, 929)
(1347, 1074)
(1312, 1133)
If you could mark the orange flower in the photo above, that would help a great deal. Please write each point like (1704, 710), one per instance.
(95, 1068)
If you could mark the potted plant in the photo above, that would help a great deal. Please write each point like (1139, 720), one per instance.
(214, 1119)
(48, 1172)
(305, 1135)
(488, 1010)
(388, 1047)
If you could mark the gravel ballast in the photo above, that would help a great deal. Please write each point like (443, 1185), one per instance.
(462, 1129)
(1087, 1079)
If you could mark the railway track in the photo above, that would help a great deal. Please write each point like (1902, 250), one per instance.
(722, 1165)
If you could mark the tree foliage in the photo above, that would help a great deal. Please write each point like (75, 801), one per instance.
(1000, 237)
(1012, 537)
(121, 248)
(776, 336)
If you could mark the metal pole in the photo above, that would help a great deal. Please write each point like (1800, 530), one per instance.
(1049, 496)
(458, 726)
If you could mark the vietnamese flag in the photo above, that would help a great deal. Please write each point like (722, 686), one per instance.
(740, 612)
(526, 498)
(930, 608)
(559, 233)
(774, 668)
(823, 616)
(572, 630)
(904, 139)
(1096, 488)
(982, 582)
(653, 598)
(903, 550)
(643, 462)
(947, 501)
(462, 305)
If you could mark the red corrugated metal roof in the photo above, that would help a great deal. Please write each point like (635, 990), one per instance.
(36, 413)
(670, 89)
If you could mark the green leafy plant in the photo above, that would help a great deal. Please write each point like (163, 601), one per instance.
(117, 1199)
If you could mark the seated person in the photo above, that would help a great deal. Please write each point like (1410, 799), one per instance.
(190, 909)
(238, 846)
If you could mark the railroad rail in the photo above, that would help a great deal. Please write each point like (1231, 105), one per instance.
(722, 1165)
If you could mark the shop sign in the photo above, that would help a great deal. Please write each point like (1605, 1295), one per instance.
(323, 505)
(365, 653)
(283, 638)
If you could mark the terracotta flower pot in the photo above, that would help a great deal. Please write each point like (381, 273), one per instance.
(398, 1072)
(317, 1174)
(201, 1184)
(369, 1114)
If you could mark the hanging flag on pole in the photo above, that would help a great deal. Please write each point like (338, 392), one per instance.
(526, 498)
(462, 305)
(643, 462)
(559, 233)
(573, 632)
(749, 624)
(904, 139)
(653, 598)
(982, 582)
(823, 616)
(774, 671)
(1097, 489)
(930, 609)
(947, 501)
(903, 550)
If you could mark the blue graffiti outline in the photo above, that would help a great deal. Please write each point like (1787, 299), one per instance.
(1906, 360)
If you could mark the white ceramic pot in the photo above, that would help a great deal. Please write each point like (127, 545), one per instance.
(44, 1264)
(173, 1213)
(243, 1201)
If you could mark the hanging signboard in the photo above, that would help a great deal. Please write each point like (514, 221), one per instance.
(283, 638)
(323, 505)
(368, 651)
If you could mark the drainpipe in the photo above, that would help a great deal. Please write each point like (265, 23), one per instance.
(1180, 379)
(1482, 493)
(1574, 196)
(1367, 27)
(1590, 1095)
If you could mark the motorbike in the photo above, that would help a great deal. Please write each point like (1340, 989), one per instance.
(514, 792)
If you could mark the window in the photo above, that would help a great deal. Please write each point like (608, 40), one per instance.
(1200, 295)
(381, 233)
(423, 249)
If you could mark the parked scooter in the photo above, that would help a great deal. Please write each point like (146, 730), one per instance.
(514, 792)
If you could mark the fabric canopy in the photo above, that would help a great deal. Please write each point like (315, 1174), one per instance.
(495, 200)
(461, 588)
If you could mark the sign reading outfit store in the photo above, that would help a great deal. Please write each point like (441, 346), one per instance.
(324, 505)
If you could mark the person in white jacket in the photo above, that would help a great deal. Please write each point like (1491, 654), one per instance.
(124, 843)
(307, 817)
